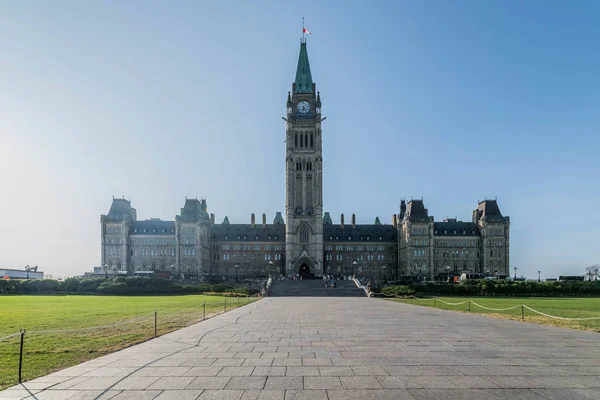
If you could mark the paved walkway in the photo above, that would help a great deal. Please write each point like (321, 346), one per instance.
(339, 349)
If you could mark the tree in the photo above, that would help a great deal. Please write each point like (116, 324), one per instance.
(593, 272)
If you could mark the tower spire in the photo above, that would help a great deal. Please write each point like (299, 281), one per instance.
(304, 82)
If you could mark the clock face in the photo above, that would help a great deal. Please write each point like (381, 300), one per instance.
(303, 107)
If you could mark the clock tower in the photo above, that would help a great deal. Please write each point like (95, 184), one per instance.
(304, 174)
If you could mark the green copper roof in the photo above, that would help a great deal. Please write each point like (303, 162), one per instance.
(304, 82)
(226, 221)
(327, 219)
(278, 219)
(377, 221)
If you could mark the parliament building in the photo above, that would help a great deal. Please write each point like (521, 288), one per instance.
(307, 241)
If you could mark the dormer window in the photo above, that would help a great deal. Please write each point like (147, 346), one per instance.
(380, 238)
(337, 238)
(163, 231)
(256, 237)
(226, 237)
(464, 232)
(330, 237)
(153, 230)
(455, 232)
(238, 237)
(445, 232)
(435, 232)
(368, 238)
(275, 237)
(268, 237)
(349, 238)
(145, 230)
(135, 231)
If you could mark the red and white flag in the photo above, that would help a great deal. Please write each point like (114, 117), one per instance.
(304, 30)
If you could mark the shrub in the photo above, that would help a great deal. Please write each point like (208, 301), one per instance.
(398, 290)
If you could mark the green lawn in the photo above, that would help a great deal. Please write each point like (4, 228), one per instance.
(560, 307)
(47, 352)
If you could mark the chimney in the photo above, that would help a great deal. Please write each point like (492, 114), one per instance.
(353, 221)
(342, 221)
(212, 218)
(253, 221)
(394, 220)
(402, 210)
(264, 220)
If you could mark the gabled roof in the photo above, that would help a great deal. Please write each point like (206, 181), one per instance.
(416, 211)
(153, 227)
(193, 210)
(246, 232)
(489, 210)
(304, 82)
(360, 233)
(455, 228)
(120, 208)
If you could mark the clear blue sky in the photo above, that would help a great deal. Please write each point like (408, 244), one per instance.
(451, 101)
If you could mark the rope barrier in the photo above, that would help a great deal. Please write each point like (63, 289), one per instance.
(495, 309)
(9, 336)
(522, 306)
(563, 318)
(451, 304)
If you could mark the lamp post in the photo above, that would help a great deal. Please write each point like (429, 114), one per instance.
(106, 270)
(236, 272)
(381, 271)
(515, 272)
(447, 268)
(539, 276)
(270, 266)
(353, 269)
(487, 273)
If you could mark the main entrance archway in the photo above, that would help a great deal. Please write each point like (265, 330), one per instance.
(304, 271)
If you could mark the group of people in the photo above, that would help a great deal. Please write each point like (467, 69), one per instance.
(329, 281)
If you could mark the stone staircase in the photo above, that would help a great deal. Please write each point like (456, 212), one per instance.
(314, 288)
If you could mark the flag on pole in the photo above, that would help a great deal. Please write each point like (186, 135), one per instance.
(304, 30)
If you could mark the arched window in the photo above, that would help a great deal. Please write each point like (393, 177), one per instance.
(311, 140)
(306, 139)
(296, 140)
(304, 234)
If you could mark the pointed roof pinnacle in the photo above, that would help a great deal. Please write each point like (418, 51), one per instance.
(304, 82)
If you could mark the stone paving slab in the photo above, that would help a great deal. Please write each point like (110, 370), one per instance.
(339, 348)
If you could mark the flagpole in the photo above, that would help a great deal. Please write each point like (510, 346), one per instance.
(303, 29)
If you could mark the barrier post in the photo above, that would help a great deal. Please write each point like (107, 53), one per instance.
(203, 311)
(469, 305)
(225, 305)
(522, 313)
(21, 354)
(155, 318)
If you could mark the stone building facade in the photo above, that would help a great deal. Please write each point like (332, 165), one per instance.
(307, 242)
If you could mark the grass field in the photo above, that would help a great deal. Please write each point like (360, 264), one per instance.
(560, 307)
(47, 352)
